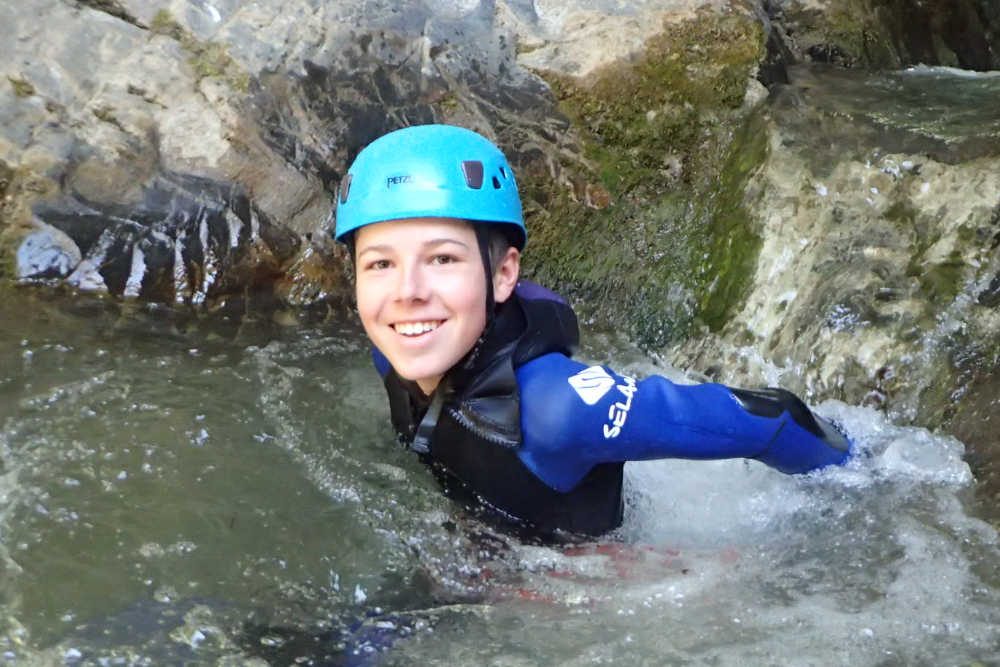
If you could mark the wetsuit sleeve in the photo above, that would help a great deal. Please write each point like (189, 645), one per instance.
(574, 417)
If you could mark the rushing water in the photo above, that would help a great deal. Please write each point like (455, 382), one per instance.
(948, 114)
(177, 489)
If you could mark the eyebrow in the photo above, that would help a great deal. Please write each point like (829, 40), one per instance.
(430, 244)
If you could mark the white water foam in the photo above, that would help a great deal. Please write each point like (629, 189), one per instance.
(938, 70)
(873, 562)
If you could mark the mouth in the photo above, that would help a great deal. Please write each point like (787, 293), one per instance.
(412, 329)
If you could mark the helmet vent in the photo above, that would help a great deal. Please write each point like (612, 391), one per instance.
(503, 172)
(473, 170)
(496, 183)
(345, 188)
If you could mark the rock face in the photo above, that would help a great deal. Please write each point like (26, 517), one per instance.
(185, 150)
(622, 120)
(117, 150)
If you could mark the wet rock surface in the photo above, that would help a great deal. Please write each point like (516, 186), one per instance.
(183, 241)
(875, 281)
(274, 100)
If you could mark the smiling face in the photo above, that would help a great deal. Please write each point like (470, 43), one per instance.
(421, 292)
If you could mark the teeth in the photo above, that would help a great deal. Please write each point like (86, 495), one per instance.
(416, 328)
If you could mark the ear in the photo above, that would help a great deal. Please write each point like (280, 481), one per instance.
(506, 274)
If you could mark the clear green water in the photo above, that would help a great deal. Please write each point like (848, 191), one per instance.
(149, 458)
(178, 490)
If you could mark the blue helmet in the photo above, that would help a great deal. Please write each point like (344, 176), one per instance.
(430, 171)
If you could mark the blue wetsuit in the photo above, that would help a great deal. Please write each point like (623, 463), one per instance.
(573, 417)
(542, 438)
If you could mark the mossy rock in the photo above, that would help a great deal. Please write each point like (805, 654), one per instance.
(732, 242)
(22, 87)
(859, 30)
(669, 141)
(207, 59)
(632, 116)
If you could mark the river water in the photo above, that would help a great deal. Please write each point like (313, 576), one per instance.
(178, 489)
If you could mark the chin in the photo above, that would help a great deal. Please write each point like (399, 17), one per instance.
(420, 374)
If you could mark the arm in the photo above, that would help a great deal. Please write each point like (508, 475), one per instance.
(574, 417)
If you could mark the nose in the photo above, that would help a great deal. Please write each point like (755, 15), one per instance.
(413, 285)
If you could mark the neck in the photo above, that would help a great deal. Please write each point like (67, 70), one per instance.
(428, 385)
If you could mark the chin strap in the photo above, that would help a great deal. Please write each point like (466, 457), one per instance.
(425, 430)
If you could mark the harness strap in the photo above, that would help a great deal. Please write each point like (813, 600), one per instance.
(422, 438)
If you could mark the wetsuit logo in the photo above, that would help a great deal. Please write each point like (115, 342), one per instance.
(591, 384)
(618, 413)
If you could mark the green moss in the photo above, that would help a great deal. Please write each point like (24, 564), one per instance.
(6, 174)
(943, 281)
(106, 114)
(8, 184)
(449, 102)
(889, 34)
(637, 115)
(7, 267)
(163, 23)
(8, 264)
(206, 59)
(732, 240)
(22, 88)
(902, 213)
(848, 29)
(211, 61)
(853, 33)
(673, 249)
(657, 267)
(940, 282)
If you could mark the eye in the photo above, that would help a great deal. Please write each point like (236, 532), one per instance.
(443, 259)
(378, 265)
